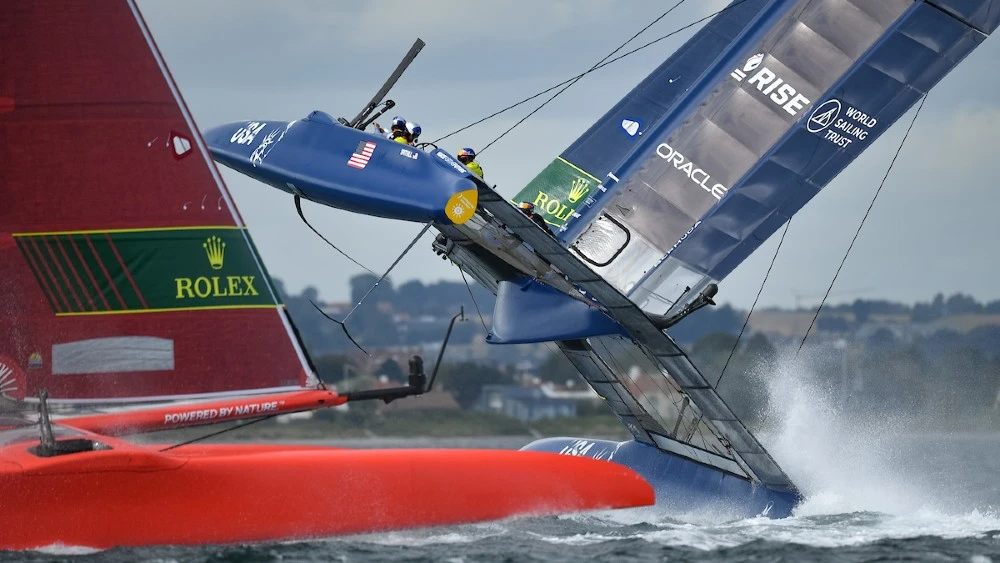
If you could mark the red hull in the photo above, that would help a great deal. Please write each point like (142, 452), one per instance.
(208, 494)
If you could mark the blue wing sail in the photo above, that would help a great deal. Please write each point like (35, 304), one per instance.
(706, 158)
(689, 174)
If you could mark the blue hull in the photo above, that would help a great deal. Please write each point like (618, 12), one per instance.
(682, 486)
(341, 167)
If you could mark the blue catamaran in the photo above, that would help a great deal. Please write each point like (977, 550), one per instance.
(651, 208)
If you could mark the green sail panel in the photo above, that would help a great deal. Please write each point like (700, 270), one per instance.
(558, 191)
(146, 270)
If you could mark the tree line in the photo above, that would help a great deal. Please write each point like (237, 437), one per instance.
(949, 376)
(416, 313)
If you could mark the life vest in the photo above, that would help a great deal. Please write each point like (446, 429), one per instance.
(474, 167)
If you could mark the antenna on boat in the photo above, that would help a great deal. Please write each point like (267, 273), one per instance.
(417, 383)
(437, 365)
(365, 117)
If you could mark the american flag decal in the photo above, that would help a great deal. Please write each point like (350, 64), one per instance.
(362, 154)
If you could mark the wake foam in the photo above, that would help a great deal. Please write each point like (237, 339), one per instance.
(59, 549)
(824, 531)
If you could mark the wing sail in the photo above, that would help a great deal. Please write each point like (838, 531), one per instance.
(126, 270)
(702, 162)
(734, 133)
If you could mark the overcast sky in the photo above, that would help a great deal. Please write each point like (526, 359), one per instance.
(934, 227)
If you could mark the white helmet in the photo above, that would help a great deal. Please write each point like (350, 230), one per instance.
(414, 129)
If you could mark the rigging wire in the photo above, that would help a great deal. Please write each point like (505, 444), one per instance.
(218, 432)
(594, 68)
(476, 305)
(343, 323)
(752, 307)
(391, 266)
(863, 219)
(298, 207)
(576, 79)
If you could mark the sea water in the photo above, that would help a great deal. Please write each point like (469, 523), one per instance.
(875, 491)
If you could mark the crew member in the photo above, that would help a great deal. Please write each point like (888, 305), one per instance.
(528, 209)
(414, 131)
(467, 157)
(402, 137)
(398, 126)
(397, 130)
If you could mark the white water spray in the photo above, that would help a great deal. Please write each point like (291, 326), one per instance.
(843, 462)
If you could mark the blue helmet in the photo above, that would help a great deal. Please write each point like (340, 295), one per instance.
(471, 153)
(413, 128)
(398, 123)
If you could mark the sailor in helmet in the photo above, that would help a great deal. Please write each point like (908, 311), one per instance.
(397, 130)
(467, 157)
(528, 209)
(398, 126)
(413, 130)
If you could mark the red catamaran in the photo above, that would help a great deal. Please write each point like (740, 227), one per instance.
(128, 276)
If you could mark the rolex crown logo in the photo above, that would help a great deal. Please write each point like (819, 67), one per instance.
(578, 189)
(216, 250)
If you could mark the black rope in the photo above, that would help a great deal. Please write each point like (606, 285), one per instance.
(218, 432)
(386, 274)
(592, 69)
(343, 323)
(752, 307)
(298, 207)
(577, 78)
(863, 219)
(476, 305)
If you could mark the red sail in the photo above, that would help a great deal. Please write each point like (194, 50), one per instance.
(125, 269)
